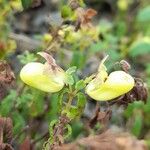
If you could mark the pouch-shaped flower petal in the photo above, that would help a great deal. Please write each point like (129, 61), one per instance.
(113, 86)
(46, 77)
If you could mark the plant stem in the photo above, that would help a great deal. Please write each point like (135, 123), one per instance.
(69, 101)
(59, 131)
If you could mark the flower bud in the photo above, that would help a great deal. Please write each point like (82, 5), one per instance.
(104, 87)
(48, 77)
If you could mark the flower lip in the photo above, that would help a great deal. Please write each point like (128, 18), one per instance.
(104, 87)
(48, 77)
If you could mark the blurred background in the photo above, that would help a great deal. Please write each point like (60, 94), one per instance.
(120, 29)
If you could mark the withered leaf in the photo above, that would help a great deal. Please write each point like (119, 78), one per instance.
(100, 117)
(26, 145)
(6, 78)
(107, 141)
(84, 17)
(5, 133)
(50, 60)
(90, 13)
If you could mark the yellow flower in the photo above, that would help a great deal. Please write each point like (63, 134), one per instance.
(48, 77)
(104, 87)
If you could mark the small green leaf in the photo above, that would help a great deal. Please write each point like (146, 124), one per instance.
(81, 101)
(98, 47)
(55, 107)
(71, 70)
(69, 79)
(69, 131)
(51, 130)
(61, 98)
(7, 103)
(137, 126)
(80, 85)
(140, 47)
(66, 11)
(72, 113)
(18, 122)
(27, 57)
(128, 112)
(78, 59)
(26, 3)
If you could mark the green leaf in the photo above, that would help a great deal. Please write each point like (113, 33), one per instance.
(81, 101)
(78, 59)
(54, 107)
(18, 122)
(97, 47)
(26, 3)
(27, 57)
(61, 98)
(69, 79)
(51, 130)
(81, 2)
(144, 14)
(71, 70)
(66, 11)
(7, 103)
(77, 128)
(37, 106)
(128, 112)
(69, 131)
(140, 47)
(72, 113)
(80, 85)
(137, 126)
(121, 28)
(137, 105)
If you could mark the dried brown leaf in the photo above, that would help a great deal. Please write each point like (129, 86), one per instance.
(107, 141)
(90, 13)
(84, 17)
(6, 78)
(100, 117)
(26, 145)
(5, 133)
(6, 73)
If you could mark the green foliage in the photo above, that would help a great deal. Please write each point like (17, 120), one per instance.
(78, 59)
(66, 12)
(81, 101)
(18, 121)
(71, 70)
(77, 128)
(137, 114)
(27, 57)
(137, 125)
(8, 103)
(140, 47)
(143, 14)
(37, 103)
(55, 106)
(80, 85)
(69, 76)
